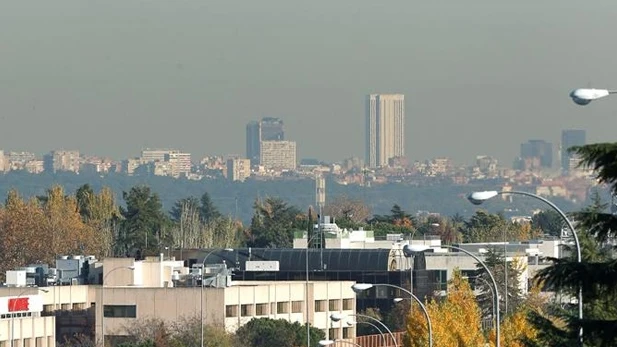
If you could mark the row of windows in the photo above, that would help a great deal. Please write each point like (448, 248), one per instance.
(16, 315)
(120, 311)
(333, 305)
(333, 333)
(264, 309)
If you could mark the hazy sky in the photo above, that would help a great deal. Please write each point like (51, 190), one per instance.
(479, 77)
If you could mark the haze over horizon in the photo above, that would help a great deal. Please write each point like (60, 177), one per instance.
(110, 78)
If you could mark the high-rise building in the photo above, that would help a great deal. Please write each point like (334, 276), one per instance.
(385, 128)
(539, 149)
(278, 155)
(253, 139)
(238, 169)
(267, 129)
(570, 138)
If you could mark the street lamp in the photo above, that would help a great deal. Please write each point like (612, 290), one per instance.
(14, 301)
(359, 287)
(103, 298)
(410, 250)
(201, 293)
(478, 198)
(583, 96)
(336, 317)
(331, 342)
(383, 337)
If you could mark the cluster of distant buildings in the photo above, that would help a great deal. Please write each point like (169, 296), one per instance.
(269, 155)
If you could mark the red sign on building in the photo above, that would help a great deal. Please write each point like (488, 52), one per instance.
(19, 304)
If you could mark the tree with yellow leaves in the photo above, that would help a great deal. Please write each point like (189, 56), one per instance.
(456, 320)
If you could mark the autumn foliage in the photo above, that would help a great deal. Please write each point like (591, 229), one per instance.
(37, 230)
(456, 320)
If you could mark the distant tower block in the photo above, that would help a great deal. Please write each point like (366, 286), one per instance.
(320, 191)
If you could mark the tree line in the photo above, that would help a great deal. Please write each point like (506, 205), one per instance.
(186, 332)
(37, 229)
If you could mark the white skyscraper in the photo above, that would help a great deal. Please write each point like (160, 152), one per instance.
(385, 128)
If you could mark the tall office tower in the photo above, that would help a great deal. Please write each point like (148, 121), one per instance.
(539, 149)
(253, 139)
(570, 138)
(267, 129)
(272, 129)
(385, 128)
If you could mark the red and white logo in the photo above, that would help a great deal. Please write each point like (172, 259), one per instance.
(25, 303)
(19, 304)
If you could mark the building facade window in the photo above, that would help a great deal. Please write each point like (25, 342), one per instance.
(231, 311)
(296, 306)
(334, 305)
(320, 305)
(348, 304)
(282, 307)
(261, 309)
(120, 311)
(346, 333)
(246, 310)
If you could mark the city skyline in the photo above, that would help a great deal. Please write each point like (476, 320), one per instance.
(87, 77)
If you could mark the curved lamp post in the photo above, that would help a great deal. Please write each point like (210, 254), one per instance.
(489, 285)
(13, 313)
(331, 342)
(335, 317)
(103, 298)
(359, 287)
(201, 293)
(410, 250)
(478, 198)
(383, 337)
(583, 96)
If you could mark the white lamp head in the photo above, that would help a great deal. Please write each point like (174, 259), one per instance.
(583, 96)
(44, 290)
(130, 268)
(478, 198)
(326, 342)
(350, 323)
(360, 287)
(397, 300)
(336, 317)
(228, 249)
(410, 250)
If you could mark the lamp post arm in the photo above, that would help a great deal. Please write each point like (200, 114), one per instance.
(380, 322)
(559, 211)
(497, 323)
(383, 337)
(576, 241)
(424, 310)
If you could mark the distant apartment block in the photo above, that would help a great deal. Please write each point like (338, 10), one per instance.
(18, 160)
(61, 160)
(34, 166)
(174, 163)
(3, 162)
(385, 128)
(278, 155)
(130, 165)
(267, 129)
(570, 138)
(180, 163)
(238, 169)
(151, 155)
